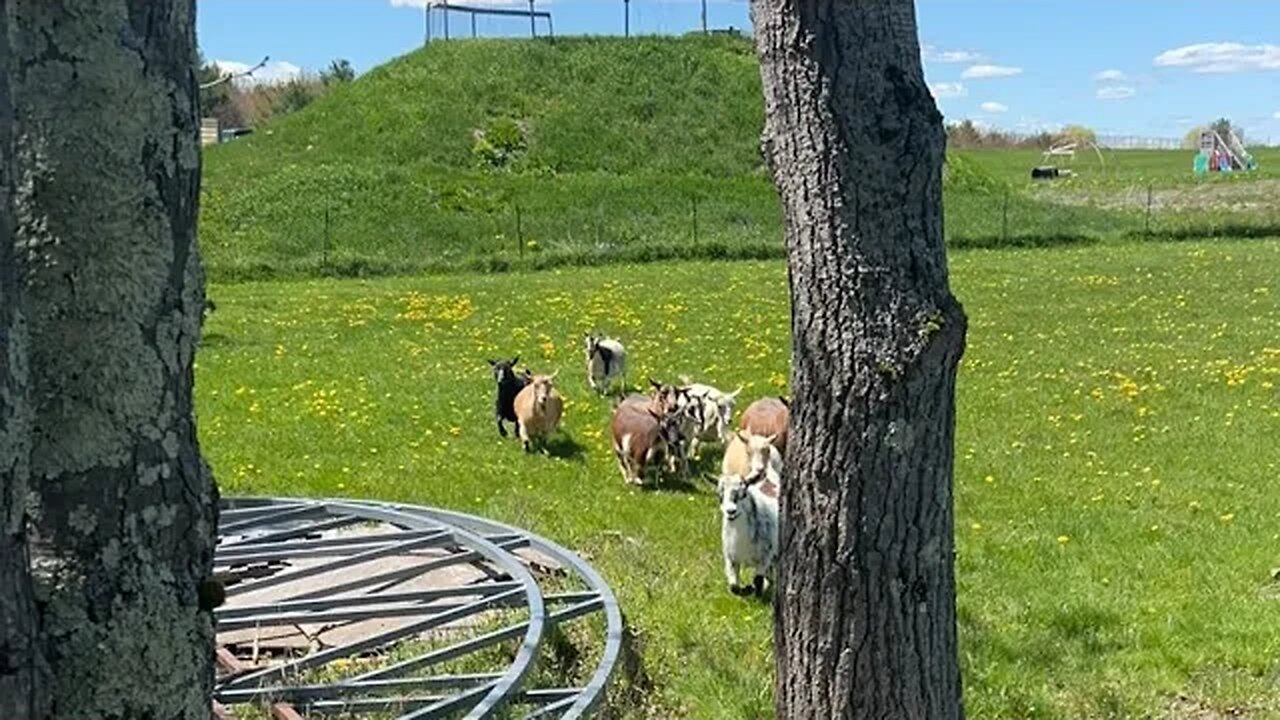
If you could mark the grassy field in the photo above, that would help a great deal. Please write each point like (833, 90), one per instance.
(1116, 449)
(611, 151)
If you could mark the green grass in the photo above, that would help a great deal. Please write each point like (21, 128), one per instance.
(636, 150)
(1116, 455)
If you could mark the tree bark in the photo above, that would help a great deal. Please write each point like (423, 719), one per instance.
(865, 602)
(125, 516)
(22, 680)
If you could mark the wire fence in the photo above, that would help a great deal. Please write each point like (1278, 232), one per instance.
(352, 232)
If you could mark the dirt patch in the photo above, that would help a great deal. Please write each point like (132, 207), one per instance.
(1184, 708)
(1254, 196)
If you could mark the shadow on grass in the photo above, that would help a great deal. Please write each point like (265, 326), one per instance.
(668, 484)
(1036, 240)
(566, 448)
(1217, 232)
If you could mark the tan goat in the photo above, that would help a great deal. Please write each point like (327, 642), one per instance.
(538, 410)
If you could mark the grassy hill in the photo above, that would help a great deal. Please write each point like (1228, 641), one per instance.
(513, 153)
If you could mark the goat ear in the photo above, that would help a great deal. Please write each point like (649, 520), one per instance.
(553, 375)
(771, 438)
(685, 380)
(655, 383)
(734, 394)
(745, 438)
(491, 362)
(515, 360)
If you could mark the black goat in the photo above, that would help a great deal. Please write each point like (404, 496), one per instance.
(510, 383)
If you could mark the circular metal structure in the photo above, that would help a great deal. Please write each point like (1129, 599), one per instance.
(362, 609)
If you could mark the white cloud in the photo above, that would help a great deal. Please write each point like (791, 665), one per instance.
(949, 90)
(933, 54)
(1223, 57)
(273, 73)
(1277, 115)
(994, 107)
(979, 72)
(1110, 76)
(1116, 92)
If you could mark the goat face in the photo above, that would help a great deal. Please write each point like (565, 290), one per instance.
(670, 398)
(759, 451)
(504, 371)
(670, 432)
(734, 496)
(543, 387)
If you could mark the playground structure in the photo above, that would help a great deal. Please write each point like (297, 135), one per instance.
(1224, 155)
(1065, 150)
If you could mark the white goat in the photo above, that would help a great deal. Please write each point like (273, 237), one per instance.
(606, 362)
(748, 532)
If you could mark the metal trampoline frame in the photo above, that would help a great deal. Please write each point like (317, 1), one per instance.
(258, 535)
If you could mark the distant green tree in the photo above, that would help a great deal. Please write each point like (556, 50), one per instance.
(1078, 133)
(964, 134)
(297, 94)
(339, 71)
(1222, 126)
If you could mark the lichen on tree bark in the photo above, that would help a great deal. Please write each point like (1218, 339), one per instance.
(109, 168)
(22, 673)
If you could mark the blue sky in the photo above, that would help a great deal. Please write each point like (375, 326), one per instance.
(1141, 67)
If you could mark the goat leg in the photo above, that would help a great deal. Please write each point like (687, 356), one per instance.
(502, 429)
(731, 574)
(758, 583)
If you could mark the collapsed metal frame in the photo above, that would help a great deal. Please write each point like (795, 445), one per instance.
(257, 535)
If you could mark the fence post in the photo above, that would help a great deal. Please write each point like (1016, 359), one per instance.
(695, 219)
(324, 246)
(1149, 194)
(626, 18)
(1004, 223)
(519, 232)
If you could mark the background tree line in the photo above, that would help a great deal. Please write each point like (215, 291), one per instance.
(238, 104)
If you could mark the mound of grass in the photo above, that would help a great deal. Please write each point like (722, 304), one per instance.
(510, 154)
(1117, 414)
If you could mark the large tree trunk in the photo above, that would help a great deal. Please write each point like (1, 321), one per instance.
(865, 605)
(126, 511)
(21, 681)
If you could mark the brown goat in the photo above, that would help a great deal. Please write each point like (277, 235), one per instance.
(642, 434)
(538, 409)
(768, 416)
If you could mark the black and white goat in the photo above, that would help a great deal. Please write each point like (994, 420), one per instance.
(510, 383)
(606, 362)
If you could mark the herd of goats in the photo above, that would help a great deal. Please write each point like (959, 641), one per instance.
(661, 432)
